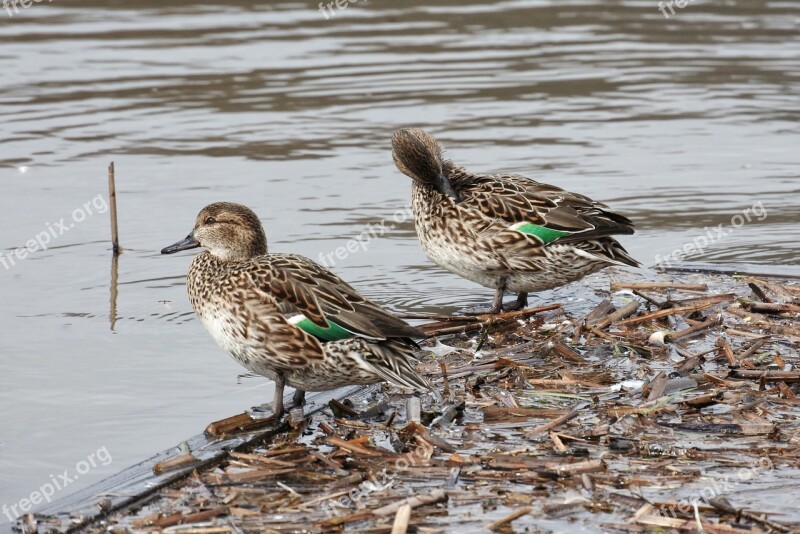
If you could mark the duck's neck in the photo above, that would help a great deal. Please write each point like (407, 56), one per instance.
(243, 252)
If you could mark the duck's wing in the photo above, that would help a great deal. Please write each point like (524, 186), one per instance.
(290, 348)
(543, 211)
(326, 301)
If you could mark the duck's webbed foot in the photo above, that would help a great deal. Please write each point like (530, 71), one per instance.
(520, 304)
(298, 399)
(277, 408)
(494, 309)
(246, 422)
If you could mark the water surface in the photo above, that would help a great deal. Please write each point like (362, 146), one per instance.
(681, 124)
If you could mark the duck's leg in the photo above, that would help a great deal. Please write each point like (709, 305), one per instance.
(497, 302)
(520, 304)
(299, 398)
(277, 402)
(495, 308)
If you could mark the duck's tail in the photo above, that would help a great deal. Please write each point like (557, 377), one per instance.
(392, 361)
(609, 250)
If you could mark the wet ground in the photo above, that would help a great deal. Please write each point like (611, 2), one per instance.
(681, 124)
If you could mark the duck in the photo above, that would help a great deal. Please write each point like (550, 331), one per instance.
(285, 317)
(505, 232)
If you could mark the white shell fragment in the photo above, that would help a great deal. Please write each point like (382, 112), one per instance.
(657, 338)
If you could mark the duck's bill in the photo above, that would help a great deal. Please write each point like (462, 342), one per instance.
(444, 187)
(185, 244)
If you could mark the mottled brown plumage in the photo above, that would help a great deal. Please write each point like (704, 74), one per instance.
(505, 231)
(248, 299)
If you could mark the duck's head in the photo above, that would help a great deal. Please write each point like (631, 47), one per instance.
(418, 155)
(229, 231)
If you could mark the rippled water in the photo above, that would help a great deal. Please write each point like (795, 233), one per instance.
(680, 124)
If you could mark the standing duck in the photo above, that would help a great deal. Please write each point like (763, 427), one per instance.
(287, 318)
(505, 231)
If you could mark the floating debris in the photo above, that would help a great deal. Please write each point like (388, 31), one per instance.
(670, 405)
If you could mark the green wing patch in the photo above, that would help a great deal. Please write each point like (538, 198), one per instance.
(334, 332)
(547, 235)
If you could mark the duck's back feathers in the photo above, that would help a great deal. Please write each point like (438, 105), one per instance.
(518, 200)
(306, 287)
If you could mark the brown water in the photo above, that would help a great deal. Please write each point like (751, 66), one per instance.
(680, 124)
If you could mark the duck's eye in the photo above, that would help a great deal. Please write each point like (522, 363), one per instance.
(210, 220)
